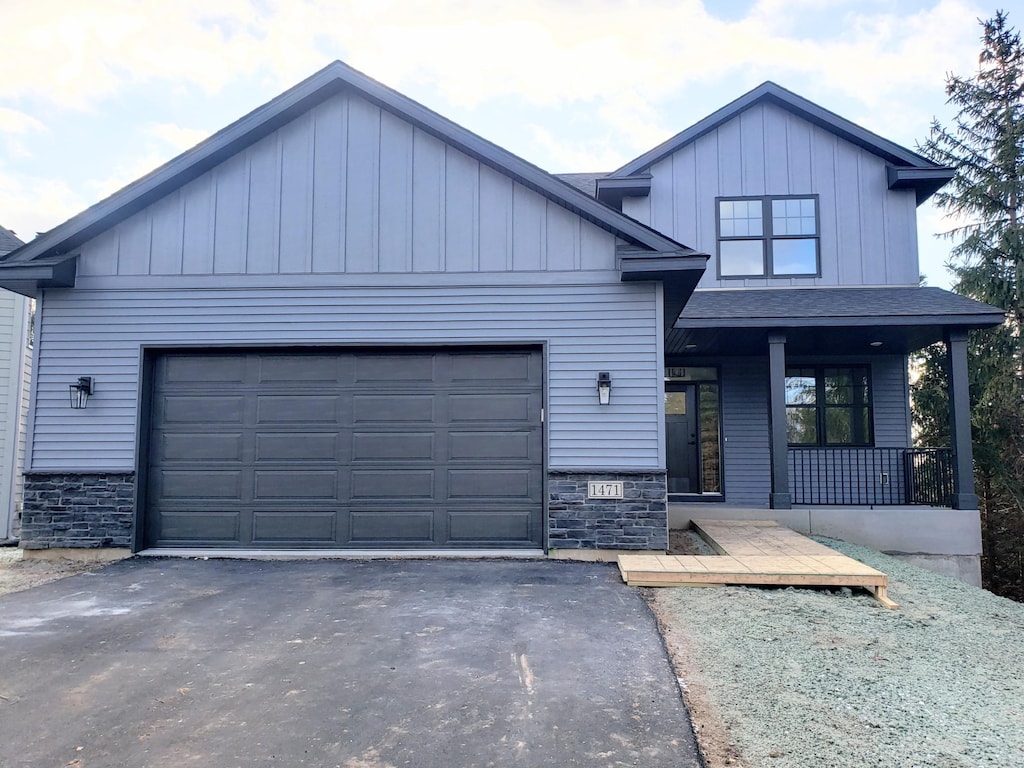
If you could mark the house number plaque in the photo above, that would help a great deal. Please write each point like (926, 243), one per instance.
(604, 490)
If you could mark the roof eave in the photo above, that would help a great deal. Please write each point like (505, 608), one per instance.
(966, 321)
(27, 279)
(924, 181)
(612, 191)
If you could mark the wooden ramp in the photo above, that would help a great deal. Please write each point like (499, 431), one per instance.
(754, 553)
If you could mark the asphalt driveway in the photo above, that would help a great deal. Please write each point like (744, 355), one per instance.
(361, 664)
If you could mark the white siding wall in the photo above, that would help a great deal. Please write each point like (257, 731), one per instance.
(349, 188)
(13, 328)
(590, 325)
(868, 232)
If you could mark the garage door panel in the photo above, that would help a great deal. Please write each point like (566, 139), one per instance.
(198, 446)
(299, 370)
(297, 409)
(389, 484)
(200, 526)
(489, 484)
(430, 448)
(297, 446)
(488, 446)
(203, 409)
(200, 484)
(509, 368)
(280, 526)
(204, 369)
(389, 526)
(296, 484)
(369, 409)
(490, 408)
(392, 446)
(476, 525)
(388, 370)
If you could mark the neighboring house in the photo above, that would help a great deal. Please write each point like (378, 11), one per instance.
(346, 322)
(15, 372)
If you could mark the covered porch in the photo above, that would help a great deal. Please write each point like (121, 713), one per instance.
(812, 386)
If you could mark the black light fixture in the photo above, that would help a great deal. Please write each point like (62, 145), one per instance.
(604, 387)
(80, 392)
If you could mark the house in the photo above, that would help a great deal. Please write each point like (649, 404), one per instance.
(15, 370)
(344, 322)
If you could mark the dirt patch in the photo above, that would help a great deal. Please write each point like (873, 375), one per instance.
(17, 573)
(688, 542)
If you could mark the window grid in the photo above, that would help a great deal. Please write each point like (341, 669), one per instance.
(829, 406)
(768, 236)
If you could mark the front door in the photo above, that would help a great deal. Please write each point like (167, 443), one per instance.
(681, 428)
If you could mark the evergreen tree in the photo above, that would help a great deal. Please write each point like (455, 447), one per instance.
(985, 200)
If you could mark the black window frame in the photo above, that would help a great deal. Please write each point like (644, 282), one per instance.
(767, 236)
(821, 405)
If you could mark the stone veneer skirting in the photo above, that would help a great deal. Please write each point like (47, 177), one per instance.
(638, 521)
(77, 510)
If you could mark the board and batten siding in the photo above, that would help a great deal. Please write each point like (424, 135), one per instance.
(868, 232)
(349, 188)
(601, 325)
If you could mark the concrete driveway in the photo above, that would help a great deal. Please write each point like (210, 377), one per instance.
(362, 664)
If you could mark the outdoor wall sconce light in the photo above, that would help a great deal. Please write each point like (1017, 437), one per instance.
(80, 392)
(604, 387)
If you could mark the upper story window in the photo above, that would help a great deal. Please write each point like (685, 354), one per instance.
(828, 405)
(768, 236)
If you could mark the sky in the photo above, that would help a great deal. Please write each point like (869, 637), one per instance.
(96, 93)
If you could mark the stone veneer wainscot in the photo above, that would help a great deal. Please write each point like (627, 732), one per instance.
(638, 521)
(79, 510)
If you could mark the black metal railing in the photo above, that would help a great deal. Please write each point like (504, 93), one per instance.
(878, 476)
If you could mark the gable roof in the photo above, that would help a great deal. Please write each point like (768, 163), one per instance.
(59, 244)
(8, 241)
(907, 169)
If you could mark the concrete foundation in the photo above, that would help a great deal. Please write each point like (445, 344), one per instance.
(944, 540)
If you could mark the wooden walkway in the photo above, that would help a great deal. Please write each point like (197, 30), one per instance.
(757, 553)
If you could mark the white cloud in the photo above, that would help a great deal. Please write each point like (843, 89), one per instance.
(29, 205)
(177, 137)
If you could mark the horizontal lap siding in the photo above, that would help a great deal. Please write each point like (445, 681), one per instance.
(588, 328)
(746, 460)
(890, 395)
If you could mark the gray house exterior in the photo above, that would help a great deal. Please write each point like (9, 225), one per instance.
(344, 322)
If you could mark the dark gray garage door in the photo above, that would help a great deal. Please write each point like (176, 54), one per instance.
(273, 449)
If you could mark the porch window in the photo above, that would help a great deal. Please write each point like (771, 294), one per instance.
(829, 406)
(768, 236)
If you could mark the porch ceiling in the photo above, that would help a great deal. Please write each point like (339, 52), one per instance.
(823, 320)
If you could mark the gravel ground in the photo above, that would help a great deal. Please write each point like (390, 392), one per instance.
(17, 574)
(800, 678)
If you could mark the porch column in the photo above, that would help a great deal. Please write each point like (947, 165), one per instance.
(960, 420)
(780, 498)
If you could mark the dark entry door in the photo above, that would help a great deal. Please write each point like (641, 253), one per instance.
(327, 449)
(681, 427)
